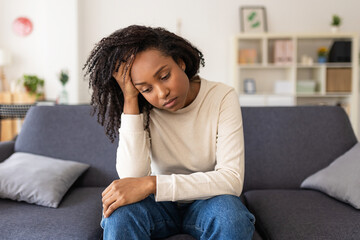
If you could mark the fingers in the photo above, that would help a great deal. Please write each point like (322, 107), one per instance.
(123, 78)
(109, 190)
(111, 202)
(109, 196)
(119, 73)
(126, 78)
(106, 197)
(115, 205)
(106, 190)
(122, 192)
(107, 203)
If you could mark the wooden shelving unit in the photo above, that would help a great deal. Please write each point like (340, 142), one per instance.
(268, 74)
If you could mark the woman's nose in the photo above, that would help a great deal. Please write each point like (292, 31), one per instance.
(163, 91)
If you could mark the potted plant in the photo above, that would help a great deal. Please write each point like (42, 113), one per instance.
(33, 85)
(64, 78)
(335, 24)
(322, 54)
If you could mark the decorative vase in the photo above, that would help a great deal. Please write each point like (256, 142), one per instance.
(321, 59)
(335, 29)
(63, 98)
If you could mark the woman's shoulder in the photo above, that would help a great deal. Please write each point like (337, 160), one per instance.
(217, 88)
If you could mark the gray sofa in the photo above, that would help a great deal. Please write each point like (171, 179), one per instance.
(283, 146)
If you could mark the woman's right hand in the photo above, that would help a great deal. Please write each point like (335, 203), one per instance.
(122, 77)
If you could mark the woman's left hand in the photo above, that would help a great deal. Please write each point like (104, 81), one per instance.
(125, 191)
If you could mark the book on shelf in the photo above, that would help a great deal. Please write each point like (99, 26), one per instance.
(247, 56)
(283, 52)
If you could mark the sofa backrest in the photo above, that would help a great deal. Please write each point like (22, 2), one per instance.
(70, 132)
(284, 145)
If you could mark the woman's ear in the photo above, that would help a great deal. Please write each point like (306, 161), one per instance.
(181, 64)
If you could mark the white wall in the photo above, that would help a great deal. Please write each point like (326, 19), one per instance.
(28, 55)
(209, 24)
(52, 46)
(62, 47)
(70, 28)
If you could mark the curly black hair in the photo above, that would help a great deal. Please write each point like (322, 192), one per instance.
(107, 98)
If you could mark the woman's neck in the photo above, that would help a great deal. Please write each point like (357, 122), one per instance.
(193, 91)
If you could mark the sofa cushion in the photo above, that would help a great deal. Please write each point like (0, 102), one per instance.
(6, 149)
(340, 179)
(37, 179)
(77, 218)
(70, 132)
(302, 214)
(256, 236)
(285, 145)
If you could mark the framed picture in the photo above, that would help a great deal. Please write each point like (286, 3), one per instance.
(253, 19)
(249, 86)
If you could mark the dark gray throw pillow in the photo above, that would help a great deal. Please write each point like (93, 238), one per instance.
(341, 179)
(38, 179)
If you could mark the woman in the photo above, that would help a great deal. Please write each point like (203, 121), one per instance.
(180, 157)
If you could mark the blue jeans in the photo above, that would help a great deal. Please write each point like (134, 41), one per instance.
(220, 217)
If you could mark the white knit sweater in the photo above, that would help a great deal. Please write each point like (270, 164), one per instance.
(196, 152)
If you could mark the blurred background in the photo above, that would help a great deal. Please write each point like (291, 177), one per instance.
(45, 37)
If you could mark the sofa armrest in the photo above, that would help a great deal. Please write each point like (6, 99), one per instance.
(6, 149)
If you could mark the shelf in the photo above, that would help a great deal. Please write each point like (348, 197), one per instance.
(300, 95)
(339, 94)
(324, 65)
(264, 66)
(262, 94)
(315, 65)
(269, 77)
(300, 36)
(321, 95)
(329, 36)
(338, 65)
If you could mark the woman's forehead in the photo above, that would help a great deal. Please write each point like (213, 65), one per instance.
(148, 62)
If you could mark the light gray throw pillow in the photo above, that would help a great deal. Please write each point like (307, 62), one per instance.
(341, 179)
(37, 179)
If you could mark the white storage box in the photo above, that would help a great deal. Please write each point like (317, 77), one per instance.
(306, 86)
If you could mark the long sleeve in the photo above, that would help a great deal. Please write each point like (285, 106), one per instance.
(227, 174)
(132, 159)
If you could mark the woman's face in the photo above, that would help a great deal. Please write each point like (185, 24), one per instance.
(161, 80)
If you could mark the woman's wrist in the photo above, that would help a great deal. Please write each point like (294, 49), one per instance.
(131, 105)
(151, 184)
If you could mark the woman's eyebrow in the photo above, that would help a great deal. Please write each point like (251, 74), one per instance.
(142, 83)
(159, 70)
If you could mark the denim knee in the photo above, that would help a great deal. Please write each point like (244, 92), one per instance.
(221, 217)
(122, 215)
(128, 221)
(142, 220)
(230, 210)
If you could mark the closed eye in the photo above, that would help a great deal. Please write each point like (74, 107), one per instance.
(165, 77)
(146, 90)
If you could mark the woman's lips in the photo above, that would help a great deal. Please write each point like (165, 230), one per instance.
(170, 103)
